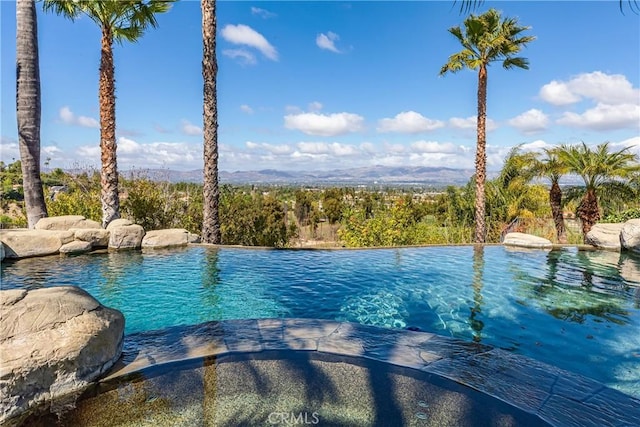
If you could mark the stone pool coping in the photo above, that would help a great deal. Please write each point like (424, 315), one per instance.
(556, 396)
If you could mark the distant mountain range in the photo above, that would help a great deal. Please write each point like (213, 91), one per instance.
(373, 175)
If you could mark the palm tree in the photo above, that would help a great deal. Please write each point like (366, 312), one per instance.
(597, 168)
(468, 5)
(28, 108)
(486, 39)
(211, 192)
(119, 20)
(551, 167)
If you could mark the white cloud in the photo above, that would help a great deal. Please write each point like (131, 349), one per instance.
(558, 93)
(264, 14)
(632, 143)
(276, 149)
(243, 56)
(368, 148)
(470, 123)
(604, 117)
(537, 145)
(315, 106)
(408, 122)
(324, 125)
(190, 129)
(531, 121)
(433, 147)
(245, 35)
(246, 109)
(327, 41)
(612, 89)
(68, 117)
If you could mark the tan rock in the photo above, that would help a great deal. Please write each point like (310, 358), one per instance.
(120, 222)
(126, 237)
(98, 237)
(65, 236)
(194, 238)
(630, 235)
(75, 247)
(65, 222)
(165, 238)
(605, 236)
(53, 343)
(526, 241)
(28, 243)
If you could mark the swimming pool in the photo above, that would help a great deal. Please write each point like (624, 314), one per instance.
(577, 310)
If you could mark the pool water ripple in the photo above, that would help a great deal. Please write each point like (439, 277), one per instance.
(577, 310)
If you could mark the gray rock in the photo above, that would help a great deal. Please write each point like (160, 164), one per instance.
(165, 238)
(29, 243)
(75, 247)
(65, 222)
(526, 241)
(98, 237)
(120, 222)
(126, 237)
(630, 235)
(1, 251)
(605, 236)
(53, 343)
(194, 238)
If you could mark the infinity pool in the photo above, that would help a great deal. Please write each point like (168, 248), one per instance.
(577, 310)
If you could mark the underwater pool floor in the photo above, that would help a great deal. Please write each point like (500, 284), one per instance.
(318, 372)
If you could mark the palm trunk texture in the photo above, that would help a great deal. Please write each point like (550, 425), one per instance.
(555, 200)
(28, 109)
(588, 211)
(109, 173)
(211, 192)
(481, 157)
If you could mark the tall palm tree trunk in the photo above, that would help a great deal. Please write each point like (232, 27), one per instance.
(555, 200)
(211, 191)
(109, 174)
(588, 211)
(481, 157)
(28, 108)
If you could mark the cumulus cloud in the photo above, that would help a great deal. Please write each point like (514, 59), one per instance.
(262, 13)
(315, 106)
(190, 129)
(243, 56)
(68, 117)
(246, 109)
(334, 149)
(324, 125)
(531, 121)
(633, 144)
(245, 35)
(470, 123)
(433, 147)
(604, 117)
(328, 41)
(408, 122)
(276, 149)
(612, 89)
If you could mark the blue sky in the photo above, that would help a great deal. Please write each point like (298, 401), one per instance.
(326, 85)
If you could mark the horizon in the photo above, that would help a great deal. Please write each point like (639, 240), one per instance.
(307, 86)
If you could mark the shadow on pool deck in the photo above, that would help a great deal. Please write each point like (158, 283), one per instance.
(306, 371)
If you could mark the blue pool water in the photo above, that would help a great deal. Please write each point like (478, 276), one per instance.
(573, 309)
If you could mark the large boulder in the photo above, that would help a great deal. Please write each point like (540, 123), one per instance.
(53, 343)
(120, 222)
(165, 238)
(630, 235)
(605, 236)
(29, 243)
(65, 222)
(526, 241)
(75, 247)
(126, 237)
(98, 237)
